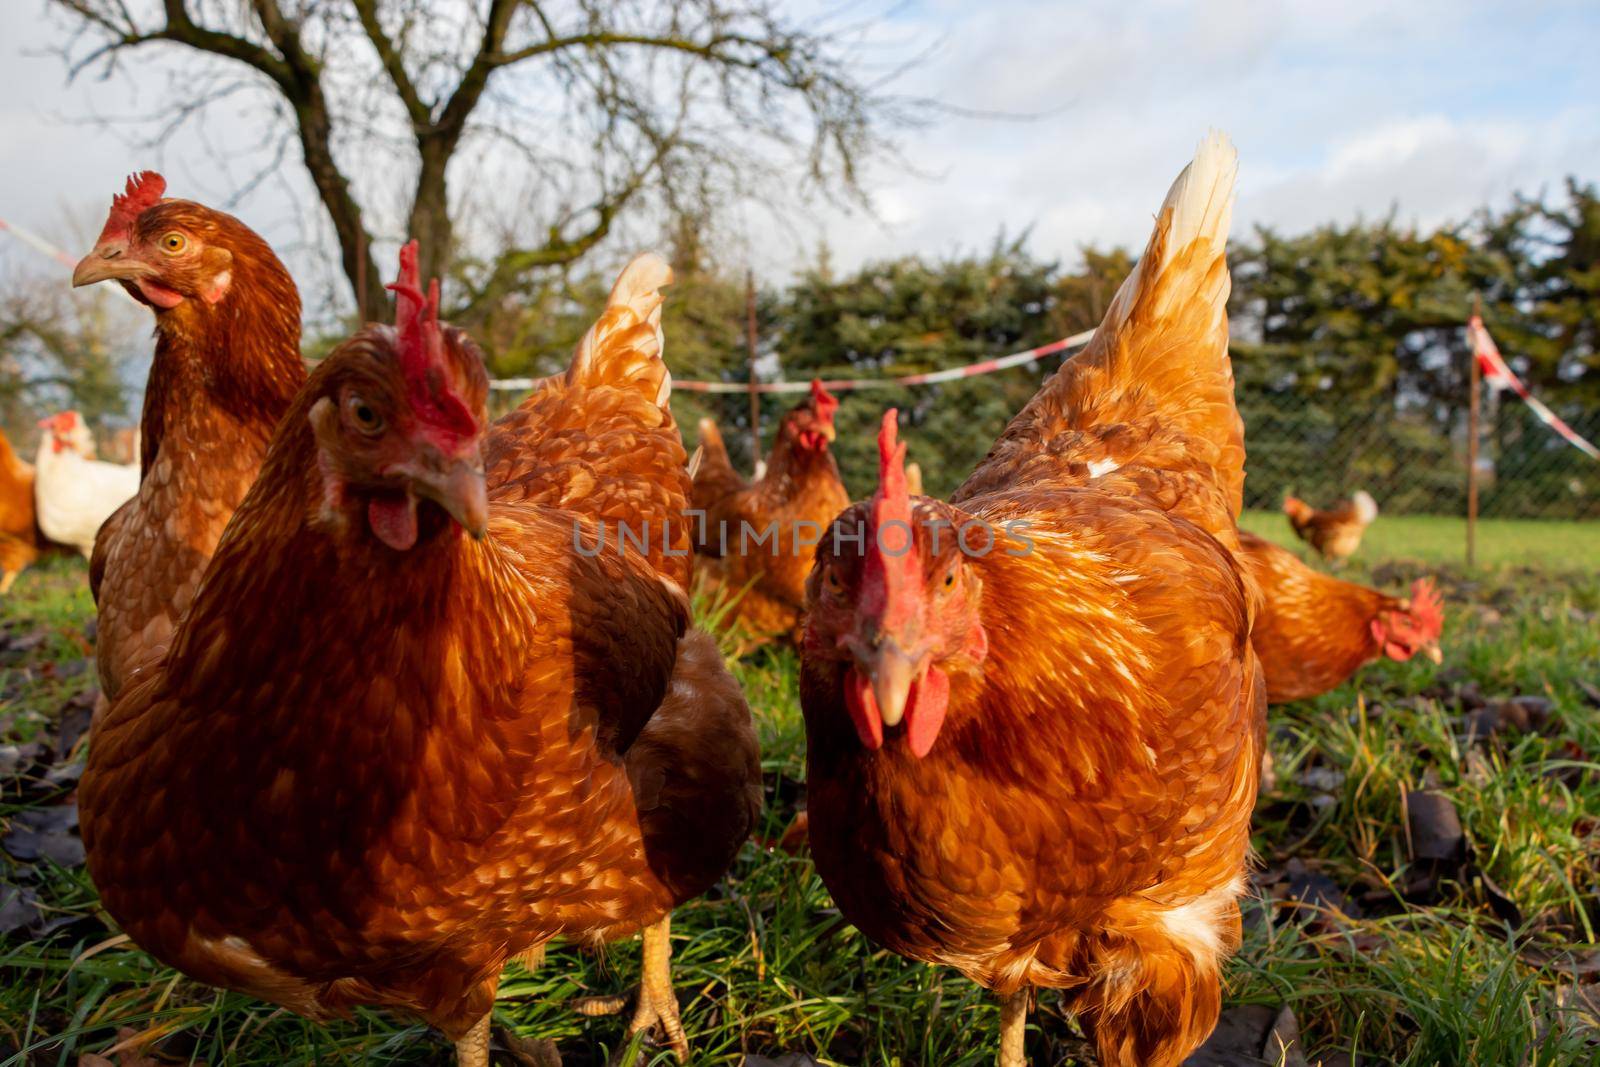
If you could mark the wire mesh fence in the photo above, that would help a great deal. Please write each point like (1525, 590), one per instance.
(1413, 458)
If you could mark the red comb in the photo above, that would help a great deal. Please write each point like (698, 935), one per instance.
(422, 356)
(1427, 609)
(144, 190)
(824, 402)
(893, 569)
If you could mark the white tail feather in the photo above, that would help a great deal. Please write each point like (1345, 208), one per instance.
(638, 289)
(1202, 198)
(1366, 507)
(1201, 202)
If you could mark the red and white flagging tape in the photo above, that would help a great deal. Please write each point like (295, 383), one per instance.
(1500, 376)
(950, 374)
(45, 248)
(1489, 359)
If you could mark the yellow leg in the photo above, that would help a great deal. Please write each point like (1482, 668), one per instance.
(473, 1049)
(658, 1004)
(1013, 1027)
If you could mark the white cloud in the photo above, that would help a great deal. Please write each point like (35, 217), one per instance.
(1338, 110)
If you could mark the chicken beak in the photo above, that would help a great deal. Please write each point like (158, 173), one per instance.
(1433, 654)
(458, 486)
(891, 673)
(829, 432)
(109, 261)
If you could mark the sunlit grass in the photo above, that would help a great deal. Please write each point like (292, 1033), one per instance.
(765, 965)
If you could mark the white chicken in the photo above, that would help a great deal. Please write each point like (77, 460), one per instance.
(72, 493)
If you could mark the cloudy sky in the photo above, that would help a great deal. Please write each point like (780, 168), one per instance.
(1338, 110)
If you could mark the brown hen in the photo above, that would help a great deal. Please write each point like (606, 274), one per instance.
(1336, 532)
(757, 539)
(1314, 630)
(1034, 732)
(19, 529)
(227, 364)
(417, 721)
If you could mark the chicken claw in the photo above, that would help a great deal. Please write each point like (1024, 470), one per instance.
(658, 1004)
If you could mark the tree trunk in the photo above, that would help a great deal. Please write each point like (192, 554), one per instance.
(430, 224)
(366, 282)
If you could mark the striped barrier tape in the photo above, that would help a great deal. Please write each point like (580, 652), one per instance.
(986, 366)
(1499, 376)
(45, 248)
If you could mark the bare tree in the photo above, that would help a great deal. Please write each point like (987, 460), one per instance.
(551, 117)
(57, 352)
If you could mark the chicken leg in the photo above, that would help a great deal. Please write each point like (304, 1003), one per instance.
(473, 1049)
(1013, 1027)
(658, 1004)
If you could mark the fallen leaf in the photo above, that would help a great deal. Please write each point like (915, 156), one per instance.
(527, 1051)
(1252, 1035)
(1579, 961)
(1435, 827)
(1500, 902)
(18, 907)
(47, 834)
(17, 759)
(74, 722)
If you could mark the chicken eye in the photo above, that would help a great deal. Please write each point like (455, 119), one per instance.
(174, 243)
(831, 580)
(368, 420)
(949, 579)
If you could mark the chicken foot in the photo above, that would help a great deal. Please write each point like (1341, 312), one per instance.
(473, 1049)
(1013, 1028)
(657, 1003)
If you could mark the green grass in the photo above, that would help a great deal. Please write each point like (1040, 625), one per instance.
(765, 965)
(1440, 539)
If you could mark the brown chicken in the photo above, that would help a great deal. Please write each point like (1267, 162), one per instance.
(1314, 630)
(757, 538)
(19, 530)
(1335, 533)
(1034, 731)
(227, 364)
(419, 719)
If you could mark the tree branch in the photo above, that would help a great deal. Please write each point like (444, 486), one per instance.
(421, 114)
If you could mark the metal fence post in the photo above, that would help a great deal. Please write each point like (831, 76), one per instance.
(750, 340)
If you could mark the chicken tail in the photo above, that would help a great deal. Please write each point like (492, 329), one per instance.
(711, 438)
(625, 346)
(715, 477)
(1165, 336)
(1366, 507)
(1153, 391)
(13, 466)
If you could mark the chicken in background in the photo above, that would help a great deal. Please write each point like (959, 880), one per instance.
(227, 364)
(1033, 739)
(1314, 630)
(73, 495)
(19, 526)
(420, 719)
(796, 497)
(1335, 533)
